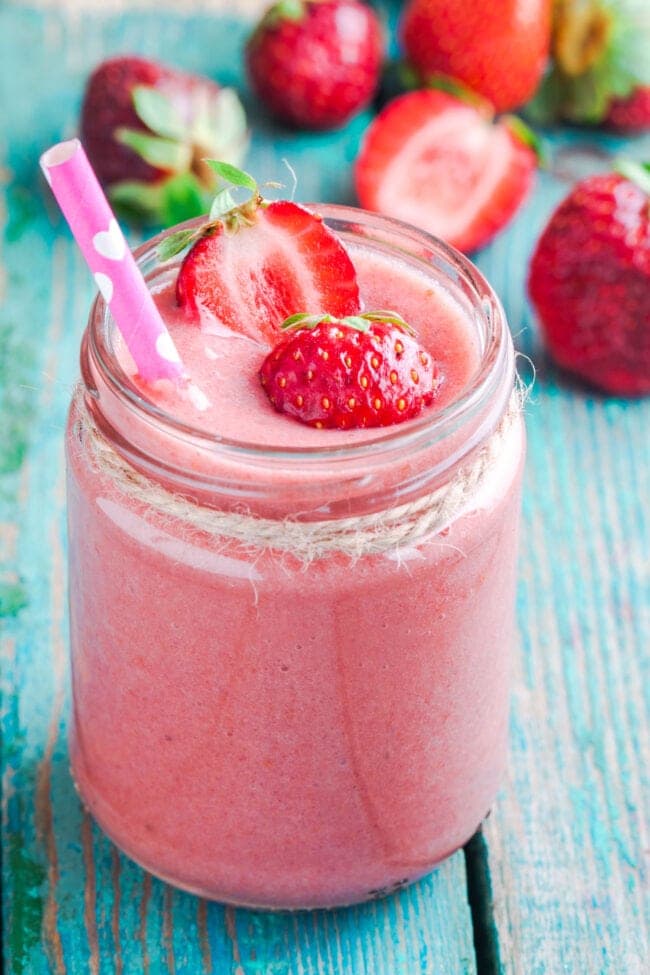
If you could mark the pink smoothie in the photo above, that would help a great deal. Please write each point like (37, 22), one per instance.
(275, 733)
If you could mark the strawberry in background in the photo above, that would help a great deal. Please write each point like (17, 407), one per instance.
(590, 281)
(147, 128)
(441, 163)
(601, 65)
(499, 49)
(316, 63)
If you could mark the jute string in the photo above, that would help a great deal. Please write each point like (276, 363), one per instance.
(383, 531)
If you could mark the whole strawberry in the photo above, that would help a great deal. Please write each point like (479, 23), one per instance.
(498, 49)
(315, 63)
(146, 128)
(600, 72)
(361, 371)
(590, 281)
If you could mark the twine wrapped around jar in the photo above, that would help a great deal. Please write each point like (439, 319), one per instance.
(377, 533)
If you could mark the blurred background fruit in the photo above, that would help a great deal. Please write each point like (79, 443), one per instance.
(147, 127)
(600, 72)
(590, 281)
(443, 164)
(499, 49)
(316, 63)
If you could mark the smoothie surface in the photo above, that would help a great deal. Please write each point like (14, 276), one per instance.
(224, 365)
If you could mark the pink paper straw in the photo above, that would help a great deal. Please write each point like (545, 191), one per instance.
(113, 266)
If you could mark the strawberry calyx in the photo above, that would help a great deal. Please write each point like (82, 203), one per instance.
(361, 322)
(177, 148)
(225, 213)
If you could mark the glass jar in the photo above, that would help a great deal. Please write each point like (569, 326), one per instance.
(291, 666)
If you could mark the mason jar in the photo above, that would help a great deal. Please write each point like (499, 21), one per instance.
(291, 666)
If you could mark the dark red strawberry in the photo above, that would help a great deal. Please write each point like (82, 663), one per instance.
(315, 63)
(146, 128)
(442, 164)
(363, 371)
(498, 49)
(590, 282)
(251, 266)
(630, 114)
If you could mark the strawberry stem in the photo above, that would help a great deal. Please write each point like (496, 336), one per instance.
(224, 210)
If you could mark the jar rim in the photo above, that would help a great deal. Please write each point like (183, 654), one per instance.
(496, 357)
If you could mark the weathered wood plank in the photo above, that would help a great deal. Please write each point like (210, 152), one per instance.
(72, 903)
(567, 844)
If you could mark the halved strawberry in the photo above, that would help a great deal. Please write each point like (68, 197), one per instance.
(253, 271)
(347, 373)
(444, 165)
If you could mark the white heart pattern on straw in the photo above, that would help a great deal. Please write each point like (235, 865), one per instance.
(110, 243)
(105, 285)
(166, 348)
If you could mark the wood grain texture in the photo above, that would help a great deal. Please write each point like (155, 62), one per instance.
(567, 844)
(72, 903)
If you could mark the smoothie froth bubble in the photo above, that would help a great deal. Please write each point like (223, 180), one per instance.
(291, 647)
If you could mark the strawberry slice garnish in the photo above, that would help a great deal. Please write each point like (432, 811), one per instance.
(359, 371)
(253, 265)
(442, 164)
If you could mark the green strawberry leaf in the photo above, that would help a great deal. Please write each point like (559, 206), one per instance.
(174, 244)
(182, 198)
(357, 322)
(303, 320)
(222, 203)
(546, 105)
(220, 127)
(158, 152)
(388, 316)
(137, 202)
(233, 175)
(158, 113)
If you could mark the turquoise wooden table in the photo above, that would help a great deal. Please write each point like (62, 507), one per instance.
(557, 880)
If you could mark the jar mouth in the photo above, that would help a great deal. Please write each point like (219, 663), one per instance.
(493, 375)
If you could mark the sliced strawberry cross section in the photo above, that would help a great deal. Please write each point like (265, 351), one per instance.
(442, 164)
(253, 275)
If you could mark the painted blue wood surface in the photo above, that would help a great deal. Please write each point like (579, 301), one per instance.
(564, 846)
